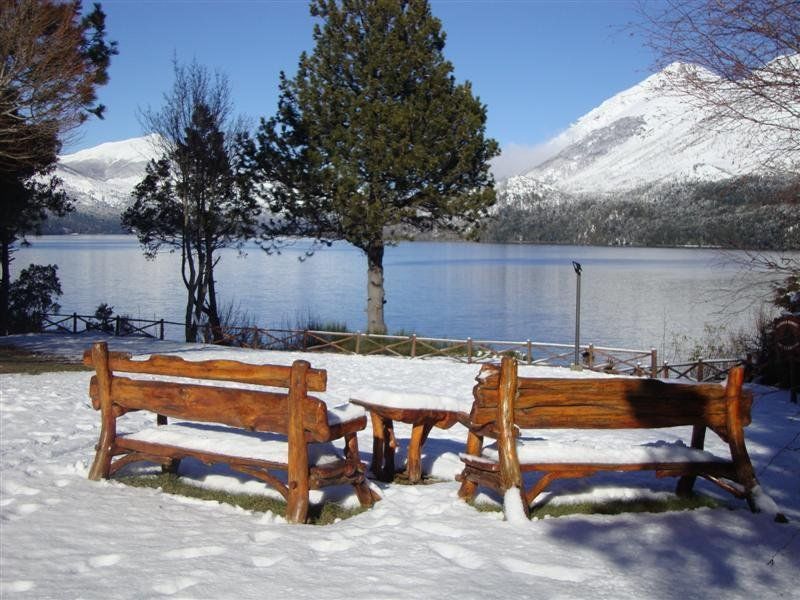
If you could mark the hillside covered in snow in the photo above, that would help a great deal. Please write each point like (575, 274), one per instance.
(651, 167)
(646, 167)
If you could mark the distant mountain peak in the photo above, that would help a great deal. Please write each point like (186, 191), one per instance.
(101, 179)
(648, 133)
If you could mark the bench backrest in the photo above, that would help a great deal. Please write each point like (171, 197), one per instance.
(253, 409)
(605, 403)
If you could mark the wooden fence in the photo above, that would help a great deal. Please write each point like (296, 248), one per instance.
(624, 361)
(118, 326)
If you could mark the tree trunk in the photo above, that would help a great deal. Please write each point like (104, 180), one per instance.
(212, 312)
(375, 294)
(190, 281)
(5, 285)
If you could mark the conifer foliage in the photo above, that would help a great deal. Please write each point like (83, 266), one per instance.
(373, 137)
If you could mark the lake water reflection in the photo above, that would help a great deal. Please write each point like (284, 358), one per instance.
(631, 297)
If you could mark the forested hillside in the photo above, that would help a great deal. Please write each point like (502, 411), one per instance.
(748, 212)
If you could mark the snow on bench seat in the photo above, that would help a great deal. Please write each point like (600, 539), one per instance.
(231, 441)
(539, 450)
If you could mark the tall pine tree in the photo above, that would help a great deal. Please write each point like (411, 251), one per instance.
(374, 137)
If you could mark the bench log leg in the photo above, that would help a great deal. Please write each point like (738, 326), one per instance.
(108, 422)
(686, 483)
(741, 460)
(364, 493)
(419, 433)
(298, 470)
(474, 446)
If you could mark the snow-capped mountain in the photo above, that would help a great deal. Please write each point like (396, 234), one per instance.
(648, 134)
(101, 179)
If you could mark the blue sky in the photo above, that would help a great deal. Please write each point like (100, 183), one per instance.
(537, 64)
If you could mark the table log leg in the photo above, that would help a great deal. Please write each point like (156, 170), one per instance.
(389, 445)
(419, 433)
(383, 445)
(378, 436)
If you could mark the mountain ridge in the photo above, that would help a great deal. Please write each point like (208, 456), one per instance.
(643, 145)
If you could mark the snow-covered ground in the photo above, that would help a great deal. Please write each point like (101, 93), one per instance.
(63, 536)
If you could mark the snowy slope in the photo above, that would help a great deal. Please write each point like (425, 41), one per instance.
(101, 179)
(648, 134)
(64, 536)
(645, 135)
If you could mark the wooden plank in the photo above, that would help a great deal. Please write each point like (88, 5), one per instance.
(611, 404)
(221, 370)
(443, 419)
(254, 410)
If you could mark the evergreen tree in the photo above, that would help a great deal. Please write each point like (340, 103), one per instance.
(373, 136)
(196, 198)
(25, 204)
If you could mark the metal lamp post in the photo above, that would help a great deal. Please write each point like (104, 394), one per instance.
(576, 365)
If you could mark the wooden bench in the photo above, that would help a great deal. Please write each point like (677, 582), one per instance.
(504, 404)
(252, 430)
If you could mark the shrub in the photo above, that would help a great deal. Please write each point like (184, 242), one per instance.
(33, 295)
(104, 315)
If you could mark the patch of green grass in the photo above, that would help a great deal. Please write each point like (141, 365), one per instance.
(401, 478)
(16, 360)
(323, 514)
(612, 507)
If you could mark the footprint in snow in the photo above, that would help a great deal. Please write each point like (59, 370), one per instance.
(175, 585)
(266, 561)
(12, 488)
(264, 537)
(557, 572)
(16, 586)
(104, 560)
(439, 529)
(196, 552)
(17, 511)
(333, 544)
(466, 559)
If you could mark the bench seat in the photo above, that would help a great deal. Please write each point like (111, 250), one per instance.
(228, 441)
(537, 450)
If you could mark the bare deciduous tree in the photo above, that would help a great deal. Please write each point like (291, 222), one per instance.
(197, 197)
(740, 62)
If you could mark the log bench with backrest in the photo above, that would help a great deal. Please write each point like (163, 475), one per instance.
(505, 403)
(252, 429)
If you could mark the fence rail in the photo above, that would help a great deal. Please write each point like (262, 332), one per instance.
(118, 326)
(624, 361)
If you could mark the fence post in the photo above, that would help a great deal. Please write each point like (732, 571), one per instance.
(653, 363)
(358, 342)
(413, 345)
(590, 356)
(469, 350)
(530, 352)
(74, 322)
(161, 330)
(699, 370)
(116, 326)
(665, 371)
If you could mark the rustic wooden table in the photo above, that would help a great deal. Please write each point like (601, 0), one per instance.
(384, 443)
